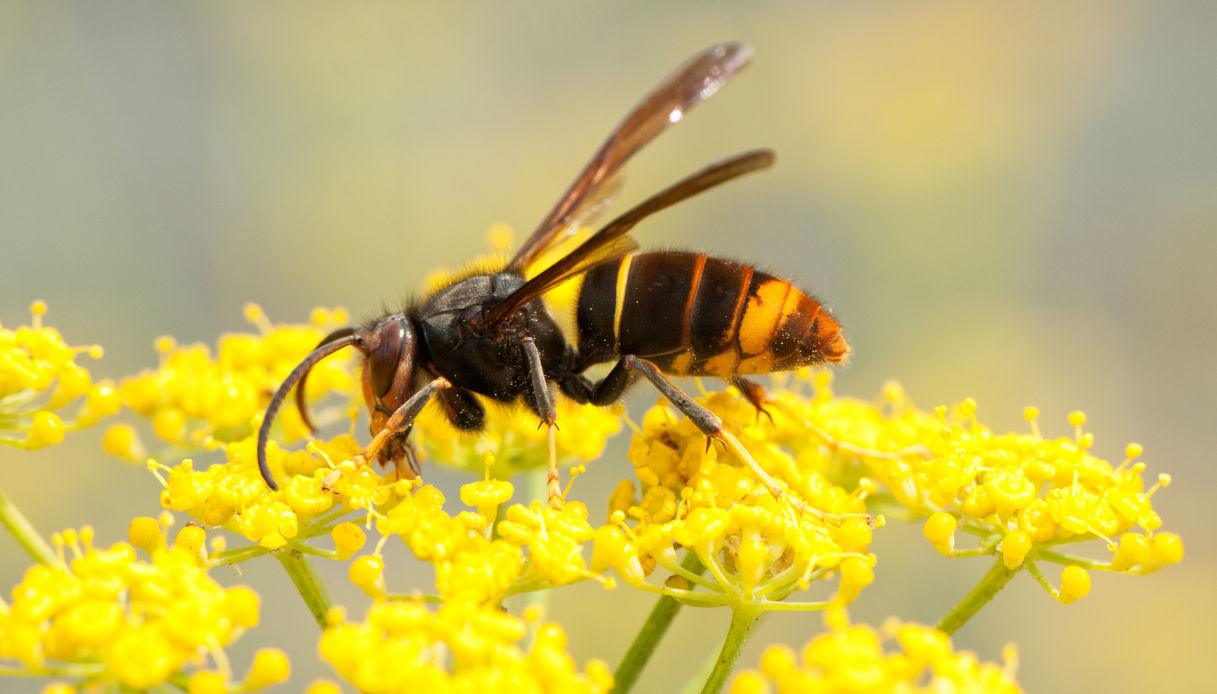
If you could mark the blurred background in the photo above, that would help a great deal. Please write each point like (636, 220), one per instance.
(1012, 203)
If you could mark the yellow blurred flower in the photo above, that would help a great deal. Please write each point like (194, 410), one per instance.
(39, 379)
(404, 647)
(120, 619)
(193, 398)
(858, 658)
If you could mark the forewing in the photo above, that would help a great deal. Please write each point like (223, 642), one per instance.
(612, 240)
(693, 82)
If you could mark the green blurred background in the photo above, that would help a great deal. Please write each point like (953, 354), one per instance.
(1009, 203)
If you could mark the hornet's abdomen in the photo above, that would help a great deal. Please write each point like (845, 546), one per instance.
(700, 316)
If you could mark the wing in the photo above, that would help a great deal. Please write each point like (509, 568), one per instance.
(698, 79)
(612, 242)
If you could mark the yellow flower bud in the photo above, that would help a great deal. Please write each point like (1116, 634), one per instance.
(122, 441)
(47, 430)
(241, 605)
(192, 538)
(1167, 548)
(145, 533)
(939, 529)
(270, 666)
(206, 682)
(749, 683)
(367, 572)
(1075, 584)
(169, 424)
(1014, 548)
(323, 687)
(348, 539)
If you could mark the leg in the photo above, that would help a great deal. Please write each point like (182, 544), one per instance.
(463, 409)
(754, 393)
(543, 404)
(460, 407)
(402, 419)
(710, 425)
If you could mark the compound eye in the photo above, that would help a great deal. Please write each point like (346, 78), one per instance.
(385, 357)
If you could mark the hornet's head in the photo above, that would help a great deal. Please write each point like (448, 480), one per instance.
(388, 346)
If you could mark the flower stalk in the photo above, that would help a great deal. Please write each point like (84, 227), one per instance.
(308, 583)
(993, 581)
(25, 533)
(743, 620)
(653, 629)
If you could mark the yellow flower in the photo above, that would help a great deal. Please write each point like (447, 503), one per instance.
(39, 379)
(232, 494)
(118, 618)
(193, 397)
(757, 549)
(402, 647)
(1021, 494)
(554, 538)
(536, 545)
(852, 658)
(514, 436)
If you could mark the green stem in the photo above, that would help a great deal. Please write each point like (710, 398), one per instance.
(652, 631)
(24, 531)
(743, 619)
(982, 593)
(307, 582)
(235, 556)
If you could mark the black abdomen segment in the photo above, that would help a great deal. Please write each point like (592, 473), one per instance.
(696, 315)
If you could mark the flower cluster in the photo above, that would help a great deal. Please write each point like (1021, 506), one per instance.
(233, 495)
(105, 615)
(477, 561)
(1022, 495)
(193, 398)
(404, 647)
(39, 379)
(853, 658)
(516, 439)
(786, 499)
(757, 547)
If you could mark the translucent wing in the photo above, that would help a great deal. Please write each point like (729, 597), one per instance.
(612, 242)
(698, 79)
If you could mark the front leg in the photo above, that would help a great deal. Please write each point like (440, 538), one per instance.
(402, 420)
(543, 404)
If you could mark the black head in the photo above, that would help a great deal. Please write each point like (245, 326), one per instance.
(388, 347)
